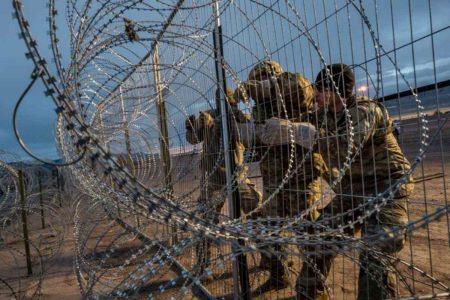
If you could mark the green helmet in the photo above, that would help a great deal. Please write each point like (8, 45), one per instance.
(266, 68)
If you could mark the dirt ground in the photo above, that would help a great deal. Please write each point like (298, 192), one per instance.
(427, 248)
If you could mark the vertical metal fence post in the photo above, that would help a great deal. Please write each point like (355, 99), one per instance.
(23, 204)
(240, 268)
(41, 200)
(164, 133)
(126, 132)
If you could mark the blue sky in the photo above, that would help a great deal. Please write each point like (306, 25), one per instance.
(36, 116)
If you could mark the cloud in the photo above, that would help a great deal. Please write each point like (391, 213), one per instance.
(422, 70)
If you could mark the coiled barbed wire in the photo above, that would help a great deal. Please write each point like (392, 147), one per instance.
(106, 102)
(43, 245)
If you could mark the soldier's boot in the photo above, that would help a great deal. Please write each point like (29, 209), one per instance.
(310, 283)
(278, 276)
(376, 280)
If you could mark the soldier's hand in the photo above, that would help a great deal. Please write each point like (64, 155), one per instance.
(190, 121)
(260, 91)
(205, 120)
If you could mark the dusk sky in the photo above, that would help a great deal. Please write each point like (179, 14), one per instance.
(37, 116)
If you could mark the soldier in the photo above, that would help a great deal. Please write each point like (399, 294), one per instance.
(270, 87)
(377, 162)
(207, 128)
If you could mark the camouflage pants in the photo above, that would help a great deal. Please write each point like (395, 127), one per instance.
(250, 199)
(288, 203)
(376, 277)
(292, 201)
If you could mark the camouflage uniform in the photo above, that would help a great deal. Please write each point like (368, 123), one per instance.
(212, 167)
(379, 162)
(303, 188)
(212, 162)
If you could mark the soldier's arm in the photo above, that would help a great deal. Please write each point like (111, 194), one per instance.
(282, 132)
(364, 127)
(255, 89)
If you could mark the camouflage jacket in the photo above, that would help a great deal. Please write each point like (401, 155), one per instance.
(377, 160)
(275, 159)
(297, 94)
(306, 165)
(212, 162)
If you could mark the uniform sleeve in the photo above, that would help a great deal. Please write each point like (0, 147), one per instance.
(364, 123)
(281, 132)
(336, 143)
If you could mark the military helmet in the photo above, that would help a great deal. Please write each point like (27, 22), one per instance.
(296, 90)
(265, 68)
(339, 75)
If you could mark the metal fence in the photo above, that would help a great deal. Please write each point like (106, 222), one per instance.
(211, 161)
